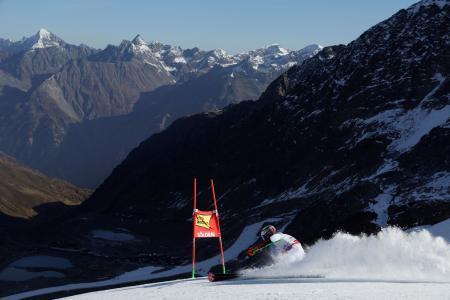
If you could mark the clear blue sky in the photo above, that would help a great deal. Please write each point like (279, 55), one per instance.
(234, 25)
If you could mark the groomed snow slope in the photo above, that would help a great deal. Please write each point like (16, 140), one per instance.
(414, 264)
(393, 264)
(276, 289)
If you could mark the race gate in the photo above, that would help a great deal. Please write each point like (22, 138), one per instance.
(206, 225)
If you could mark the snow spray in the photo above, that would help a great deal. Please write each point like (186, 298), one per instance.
(391, 255)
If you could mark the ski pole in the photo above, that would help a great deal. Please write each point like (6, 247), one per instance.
(260, 249)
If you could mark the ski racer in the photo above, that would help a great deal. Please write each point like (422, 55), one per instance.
(280, 247)
(278, 243)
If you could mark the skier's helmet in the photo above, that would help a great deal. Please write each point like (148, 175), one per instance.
(268, 231)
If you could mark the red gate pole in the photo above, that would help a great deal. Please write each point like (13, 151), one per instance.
(193, 227)
(218, 223)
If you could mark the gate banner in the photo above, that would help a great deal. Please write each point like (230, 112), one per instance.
(206, 224)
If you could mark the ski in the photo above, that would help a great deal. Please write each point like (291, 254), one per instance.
(213, 277)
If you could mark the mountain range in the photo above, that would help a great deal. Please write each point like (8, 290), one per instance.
(61, 102)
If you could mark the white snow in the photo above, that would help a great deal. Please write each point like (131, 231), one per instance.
(440, 180)
(382, 203)
(112, 235)
(17, 270)
(138, 40)
(140, 48)
(135, 275)
(42, 261)
(151, 64)
(387, 166)
(288, 288)
(381, 208)
(441, 229)
(417, 124)
(255, 61)
(179, 60)
(273, 58)
(263, 60)
(43, 39)
(437, 187)
(221, 54)
(17, 274)
(168, 68)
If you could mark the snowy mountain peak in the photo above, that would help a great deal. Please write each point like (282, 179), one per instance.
(275, 49)
(138, 40)
(185, 63)
(275, 58)
(312, 47)
(220, 53)
(44, 33)
(42, 39)
(140, 46)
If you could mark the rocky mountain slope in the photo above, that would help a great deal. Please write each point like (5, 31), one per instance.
(53, 93)
(354, 139)
(22, 189)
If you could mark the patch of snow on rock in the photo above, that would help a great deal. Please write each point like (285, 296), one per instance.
(437, 188)
(112, 235)
(406, 128)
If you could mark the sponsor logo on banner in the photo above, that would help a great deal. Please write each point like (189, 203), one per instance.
(207, 234)
(203, 221)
